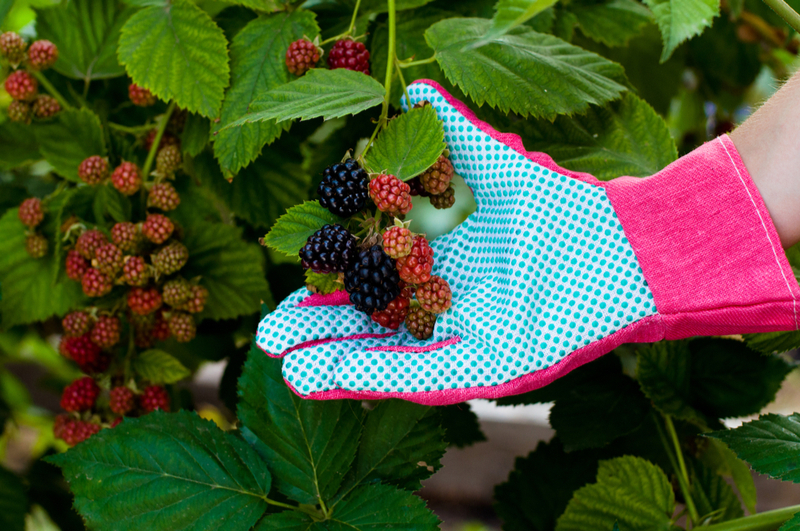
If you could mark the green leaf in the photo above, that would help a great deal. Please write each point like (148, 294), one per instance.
(408, 145)
(613, 23)
(110, 202)
(17, 145)
(680, 20)
(325, 283)
(13, 502)
(86, 33)
(792, 525)
(511, 13)
(770, 444)
(368, 508)
(159, 367)
(180, 39)
(530, 73)
(258, 55)
(773, 342)
(714, 498)
(166, 471)
(319, 93)
(290, 232)
(541, 485)
(380, 6)
(629, 490)
(260, 5)
(195, 134)
(307, 444)
(461, 425)
(719, 457)
(29, 294)
(228, 267)
(63, 148)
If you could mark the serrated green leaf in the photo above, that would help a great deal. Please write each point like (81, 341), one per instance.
(540, 486)
(324, 283)
(511, 13)
(461, 425)
(614, 23)
(408, 145)
(629, 490)
(319, 93)
(773, 342)
(159, 367)
(680, 20)
(530, 73)
(791, 525)
(260, 5)
(86, 33)
(173, 471)
(228, 267)
(17, 145)
(291, 231)
(713, 497)
(183, 40)
(307, 444)
(368, 508)
(771, 445)
(13, 502)
(719, 457)
(108, 202)
(195, 134)
(258, 55)
(63, 148)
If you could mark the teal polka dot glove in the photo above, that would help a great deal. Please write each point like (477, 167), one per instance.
(543, 274)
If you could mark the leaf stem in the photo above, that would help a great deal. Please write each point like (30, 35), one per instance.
(402, 81)
(409, 64)
(785, 11)
(387, 84)
(766, 521)
(51, 89)
(151, 155)
(130, 130)
(353, 20)
(683, 475)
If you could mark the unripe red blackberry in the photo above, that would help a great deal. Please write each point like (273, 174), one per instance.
(80, 395)
(349, 54)
(170, 258)
(20, 111)
(444, 200)
(415, 268)
(302, 56)
(30, 212)
(95, 283)
(12, 47)
(105, 332)
(163, 196)
(390, 194)
(42, 54)
(36, 245)
(21, 85)
(395, 313)
(196, 301)
(76, 265)
(73, 431)
(93, 170)
(121, 400)
(85, 353)
(182, 326)
(126, 178)
(154, 397)
(108, 259)
(176, 292)
(76, 323)
(157, 228)
(168, 160)
(397, 241)
(166, 140)
(125, 235)
(420, 323)
(45, 106)
(434, 295)
(437, 178)
(140, 96)
(143, 301)
(135, 271)
(89, 241)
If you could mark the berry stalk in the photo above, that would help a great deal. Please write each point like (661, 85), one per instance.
(387, 84)
(786, 12)
(51, 89)
(151, 155)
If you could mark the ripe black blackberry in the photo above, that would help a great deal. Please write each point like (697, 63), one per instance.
(372, 281)
(329, 250)
(344, 188)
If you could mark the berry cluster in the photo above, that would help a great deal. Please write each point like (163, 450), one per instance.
(390, 264)
(31, 214)
(347, 53)
(21, 84)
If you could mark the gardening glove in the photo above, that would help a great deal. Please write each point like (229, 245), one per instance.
(552, 270)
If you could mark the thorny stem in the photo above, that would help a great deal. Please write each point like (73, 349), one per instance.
(767, 521)
(151, 155)
(786, 13)
(51, 89)
(683, 475)
(387, 84)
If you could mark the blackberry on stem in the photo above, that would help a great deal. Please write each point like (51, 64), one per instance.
(344, 188)
(329, 250)
(372, 281)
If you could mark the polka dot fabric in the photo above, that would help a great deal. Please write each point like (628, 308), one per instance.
(540, 270)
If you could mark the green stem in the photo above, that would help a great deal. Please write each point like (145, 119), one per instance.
(284, 505)
(683, 475)
(139, 129)
(786, 13)
(151, 155)
(321, 502)
(387, 84)
(402, 81)
(51, 89)
(353, 20)
(427, 61)
(767, 521)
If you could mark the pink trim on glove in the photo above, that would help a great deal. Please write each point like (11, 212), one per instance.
(315, 342)
(426, 348)
(337, 298)
(707, 245)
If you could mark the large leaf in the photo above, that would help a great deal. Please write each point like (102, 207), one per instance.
(773, 342)
(408, 145)
(178, 53)
(13, 502)
(319, 93)
(228, 267)
(629, 490)
(258, 55)
(792, 525)
(714, 498)
(63, 148)
(679, 20)
(613, 23)
(291, 231)
(770, 444)
(529, 73)
(86, 33)
(166, 471)
(719, 457)
(308, 444)
(368, 508)
(17, 145)
(511, 13)
(159, 367)
(461, 425)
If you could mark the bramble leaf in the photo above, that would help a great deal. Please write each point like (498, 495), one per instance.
(63, 148)
(792, 525)
(719, 457)
(17, 145)
(613, 23)
(511, 13)
(680, 20)
(324, 283)
(195, 134)
(461, 425)
(773, 342)
(159, 367)
(291, 231)
(715, 499)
